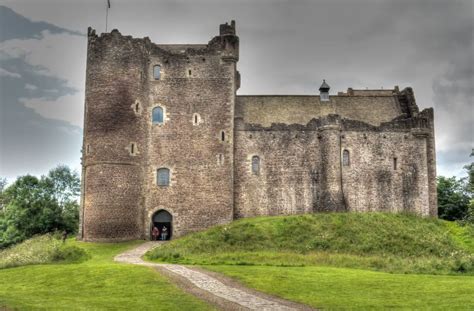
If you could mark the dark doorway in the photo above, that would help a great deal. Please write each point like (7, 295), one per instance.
(163, 221)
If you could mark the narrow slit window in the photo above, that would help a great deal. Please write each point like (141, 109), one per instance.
(157, 115)
(137, 107)
(255, 165)
(189, 72)
(195, 119)
(163, 177)
(395, 164)
(132, 148)
(88, 149)
(157, 72)
(222, 135)
(346, 161)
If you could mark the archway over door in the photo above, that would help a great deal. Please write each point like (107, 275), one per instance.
(162, 220)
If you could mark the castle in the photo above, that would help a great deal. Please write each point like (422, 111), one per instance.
(167, 142)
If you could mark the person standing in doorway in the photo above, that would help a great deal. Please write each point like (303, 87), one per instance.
(164, 233)
(155, 232)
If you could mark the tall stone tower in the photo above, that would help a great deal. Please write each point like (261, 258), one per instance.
(158, 135)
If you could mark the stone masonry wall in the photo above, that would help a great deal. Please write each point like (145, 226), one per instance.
(194, 81)
(197, 83)
(302, 167)
(112, 207)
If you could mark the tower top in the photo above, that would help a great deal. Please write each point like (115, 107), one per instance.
(324, 87)
(226, 29)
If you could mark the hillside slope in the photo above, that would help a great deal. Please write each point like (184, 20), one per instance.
(378, 241)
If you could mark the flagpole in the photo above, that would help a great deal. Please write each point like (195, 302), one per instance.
(106, 17)
(107, 14)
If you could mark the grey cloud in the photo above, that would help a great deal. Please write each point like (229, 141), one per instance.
(15, 26)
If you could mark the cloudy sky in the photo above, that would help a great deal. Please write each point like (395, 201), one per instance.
(287, 47)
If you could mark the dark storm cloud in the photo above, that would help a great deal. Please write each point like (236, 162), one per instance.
(15, 26)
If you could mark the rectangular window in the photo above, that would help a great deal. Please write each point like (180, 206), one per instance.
(395, 164)
(163, 177)
(157, 72)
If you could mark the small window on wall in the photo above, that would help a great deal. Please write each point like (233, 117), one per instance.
(88, 149)
(220, 159)
(222, 136)
(157, 72)
(346, 161)
(395, 164)
(255, 165)
(163, 177)
(157, 115)
(133, 149)
(196, 119)
(137, 107)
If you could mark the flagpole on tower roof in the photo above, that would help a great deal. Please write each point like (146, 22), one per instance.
(107, 14)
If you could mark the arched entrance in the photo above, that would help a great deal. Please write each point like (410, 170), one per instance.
(163, 221)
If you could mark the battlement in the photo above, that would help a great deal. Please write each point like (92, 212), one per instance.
(226, 43)
(372, 92)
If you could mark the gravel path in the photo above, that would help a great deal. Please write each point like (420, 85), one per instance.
(244, 299)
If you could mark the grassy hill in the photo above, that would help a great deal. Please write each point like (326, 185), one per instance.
(376, 241)
(322, 260)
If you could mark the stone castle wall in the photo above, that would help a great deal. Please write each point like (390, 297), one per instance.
(391, 166)
(198, 83)
(209, 137)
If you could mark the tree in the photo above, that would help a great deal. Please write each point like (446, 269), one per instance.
(37, 206)
(3, 183)
(64, 183)
(453, 198)
(66, 188)
(470, 171)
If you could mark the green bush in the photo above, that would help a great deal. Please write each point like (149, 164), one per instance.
(42, 249)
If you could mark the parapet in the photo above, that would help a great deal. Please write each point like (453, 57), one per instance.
(372, 92)
(226, 41)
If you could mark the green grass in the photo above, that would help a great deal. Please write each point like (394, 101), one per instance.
(339, 288)
(41, 250)
(95, 284)
(375, 241)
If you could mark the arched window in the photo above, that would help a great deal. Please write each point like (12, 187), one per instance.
(157, 72)
(163, 177)
(157, 115)
(255, 165)
(346, 161)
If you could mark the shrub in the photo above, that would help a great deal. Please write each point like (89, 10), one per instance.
(42, 249)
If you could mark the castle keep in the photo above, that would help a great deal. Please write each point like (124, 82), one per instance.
(167, 142)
